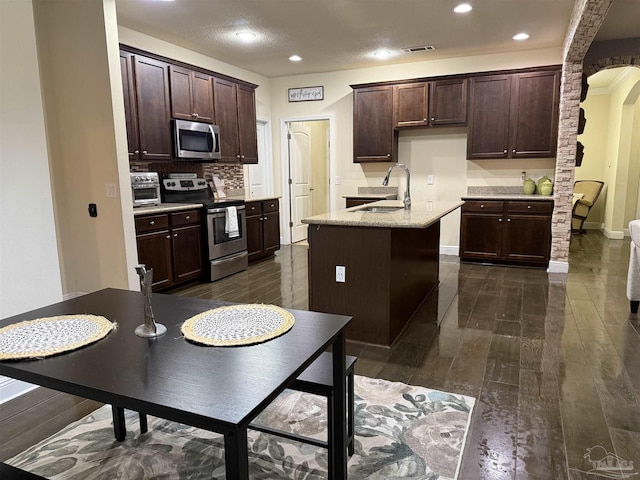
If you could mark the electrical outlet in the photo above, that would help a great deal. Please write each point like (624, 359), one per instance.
(341, 273)
(429, 179)
(112, 191)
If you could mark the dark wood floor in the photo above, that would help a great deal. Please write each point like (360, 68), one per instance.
(553, 360)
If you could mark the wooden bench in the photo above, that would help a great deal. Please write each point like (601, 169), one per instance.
(316, 379)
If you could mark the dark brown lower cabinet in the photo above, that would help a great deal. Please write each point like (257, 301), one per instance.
(511, 232)
(263, 228)
(171, 244)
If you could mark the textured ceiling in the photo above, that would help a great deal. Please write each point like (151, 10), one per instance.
(335, 35)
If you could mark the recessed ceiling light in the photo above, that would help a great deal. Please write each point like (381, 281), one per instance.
(382, 53)
(246, 35)
(521, 36)
(463, 8)
(295, 58)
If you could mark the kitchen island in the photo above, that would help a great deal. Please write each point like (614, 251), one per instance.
(390, 260)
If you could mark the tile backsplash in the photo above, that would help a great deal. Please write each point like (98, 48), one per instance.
(231, 173)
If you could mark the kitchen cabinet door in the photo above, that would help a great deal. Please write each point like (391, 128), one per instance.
(489, 112)
(481, 236)
(534, 115)
(153, 108)
(187, 252)
(130, 113)
(270, 227)
(411, 104)
(448, 102)
(154, 251)
(374, 138)
(191, 95)
(527, 238)
(247, 128)
(254, 230)
(226, 114)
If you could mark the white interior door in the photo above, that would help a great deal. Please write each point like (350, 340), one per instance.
(258, 178)
(300, 178)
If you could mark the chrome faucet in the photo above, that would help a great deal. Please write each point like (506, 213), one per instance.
(407, 194)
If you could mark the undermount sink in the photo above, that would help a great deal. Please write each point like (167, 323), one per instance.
(378, 209)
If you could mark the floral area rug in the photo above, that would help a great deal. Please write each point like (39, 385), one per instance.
(401, 431)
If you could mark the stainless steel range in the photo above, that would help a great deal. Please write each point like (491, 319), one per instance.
(226, 222)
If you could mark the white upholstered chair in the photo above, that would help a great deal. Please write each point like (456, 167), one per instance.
(633, 276)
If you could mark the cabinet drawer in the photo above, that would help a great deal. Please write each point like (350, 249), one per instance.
(530, 207)
(483, 206)
(253, 208)
(150, 223)
(188, 217)
(270, 206)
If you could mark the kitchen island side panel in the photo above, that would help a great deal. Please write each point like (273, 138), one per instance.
(389, 274)
(365, 254)
(415, 268)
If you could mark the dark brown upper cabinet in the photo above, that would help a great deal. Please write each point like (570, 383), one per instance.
(131, 115)
(191, 95)
(411, 104)
(235, 114)
(435, 103)
(152, 108)
(374, 136)
(514, 115)
(448, 102)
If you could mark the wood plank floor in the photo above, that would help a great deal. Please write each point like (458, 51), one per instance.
(553, 361)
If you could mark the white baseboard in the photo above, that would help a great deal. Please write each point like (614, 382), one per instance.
(450, 250)
(558, 267)
(613, 234)
(10, 388)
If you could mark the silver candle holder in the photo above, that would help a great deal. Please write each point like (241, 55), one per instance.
(149, 328)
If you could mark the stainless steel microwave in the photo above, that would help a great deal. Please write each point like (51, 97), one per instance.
(196, 141)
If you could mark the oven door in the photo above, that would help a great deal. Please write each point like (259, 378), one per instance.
(221, 243)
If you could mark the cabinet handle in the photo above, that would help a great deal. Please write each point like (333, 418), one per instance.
(504, 151)
(424, 120)
(388, 155)
(528, 206)
(168, 236)
(261, 219)
(196, 115)
(481, 205)
(137, 152)
(175, 235)
(152, 222)
(187, 217)
(508, 219)
(238, 156)
(514, 151)
(193, 115)
(433, 118)
(265, 218)
(499, 219)
(144, 152)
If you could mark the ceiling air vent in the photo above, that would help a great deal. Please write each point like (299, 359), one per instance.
(424, 48)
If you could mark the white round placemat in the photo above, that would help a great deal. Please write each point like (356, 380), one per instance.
(44, 337)
(235, 325)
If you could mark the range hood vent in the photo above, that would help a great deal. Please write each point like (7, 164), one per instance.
(424, 48)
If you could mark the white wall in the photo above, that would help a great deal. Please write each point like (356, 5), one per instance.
(29, 267)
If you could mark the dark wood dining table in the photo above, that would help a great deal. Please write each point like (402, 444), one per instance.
(221, 389)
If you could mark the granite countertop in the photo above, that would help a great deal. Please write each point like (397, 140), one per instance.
(165, 207)
(420, 215)
(508, 196)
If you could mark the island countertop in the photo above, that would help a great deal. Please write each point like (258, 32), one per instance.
(420, 215)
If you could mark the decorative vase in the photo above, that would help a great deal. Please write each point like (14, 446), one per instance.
(529, 186)
(546, 187)
(541, 181)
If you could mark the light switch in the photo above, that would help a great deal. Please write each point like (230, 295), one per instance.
(337, 180)
(429, 179)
